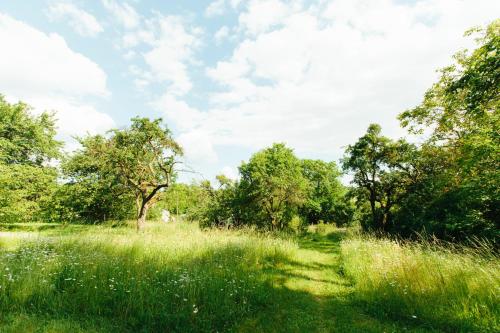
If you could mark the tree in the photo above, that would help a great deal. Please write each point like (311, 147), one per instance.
(26, 139)
(325, 198)
(222, 207)
(140, 159)
(27, 146)
(382, 168)
(183, 199)
(462, 109)
(90, 192)
(273, 183)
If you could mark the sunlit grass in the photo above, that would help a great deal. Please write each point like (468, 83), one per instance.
(172, 277)
(450, 289)
(179, 278)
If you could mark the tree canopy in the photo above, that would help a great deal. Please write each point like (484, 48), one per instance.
(138, 160)
(381, 169)
(27, 146)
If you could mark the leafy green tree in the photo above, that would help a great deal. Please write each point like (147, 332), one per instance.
(326, 195)
(184, 199)
(139, 160)
(274, 185)
(381, 169)
(25, 191)
(222, 207)
(90, 192)
(26, 139)
(462, 109)
(27, 146)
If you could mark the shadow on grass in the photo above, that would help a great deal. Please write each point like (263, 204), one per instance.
(303, 311)
(324, 243)
(225, 289)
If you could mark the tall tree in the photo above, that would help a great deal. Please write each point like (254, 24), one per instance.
(91, 192)
(27, 146)
(274, 183)
(381, 168)
(325, 198)
(141, 159)
(25, 138)
(462, 111)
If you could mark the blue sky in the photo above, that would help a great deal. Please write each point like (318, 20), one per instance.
(230, 77)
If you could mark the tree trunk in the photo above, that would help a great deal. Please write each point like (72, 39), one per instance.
(141, 217)
(386, 215)
(373, 209)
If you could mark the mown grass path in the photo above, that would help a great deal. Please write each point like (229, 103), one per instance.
(316, 297)
(284, 285)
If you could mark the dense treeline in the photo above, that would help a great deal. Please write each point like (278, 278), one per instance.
(448, 186)
(275, 187)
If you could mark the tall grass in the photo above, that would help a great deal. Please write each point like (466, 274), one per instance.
(173, 278)
(455, 290)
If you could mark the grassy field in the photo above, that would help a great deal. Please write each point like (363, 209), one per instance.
(178, 278)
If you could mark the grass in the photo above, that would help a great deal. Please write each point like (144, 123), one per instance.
(450, 288)
(178, 278)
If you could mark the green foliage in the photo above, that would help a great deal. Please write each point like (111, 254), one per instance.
(25, 192)
(91, 193)
(382, 169)
(276, 188)
(274, 184)
(459, 196)
(184, 199)
(135, 163)
(27, 145)
(450, 186)
(26, 139)
(223, 207)
(326, 195)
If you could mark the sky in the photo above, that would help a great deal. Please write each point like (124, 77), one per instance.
(230, 77)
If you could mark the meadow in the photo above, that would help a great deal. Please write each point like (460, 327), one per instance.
(178, 278)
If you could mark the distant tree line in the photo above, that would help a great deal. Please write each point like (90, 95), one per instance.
(274, 188)
(447, 186)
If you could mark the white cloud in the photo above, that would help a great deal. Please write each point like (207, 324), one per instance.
(221, 34)
(169, 45)
(73, 118)
(230, 172)
(215, 8)
(84, 23)
(198, 145)
(315, 77)
(124, 13)
(178, 112)
(43, 71)
(34, 61)
(235, 3)
(262, 15)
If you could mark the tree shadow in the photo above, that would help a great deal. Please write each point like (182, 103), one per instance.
(296, 310)
(324, 243)
(225, 289)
